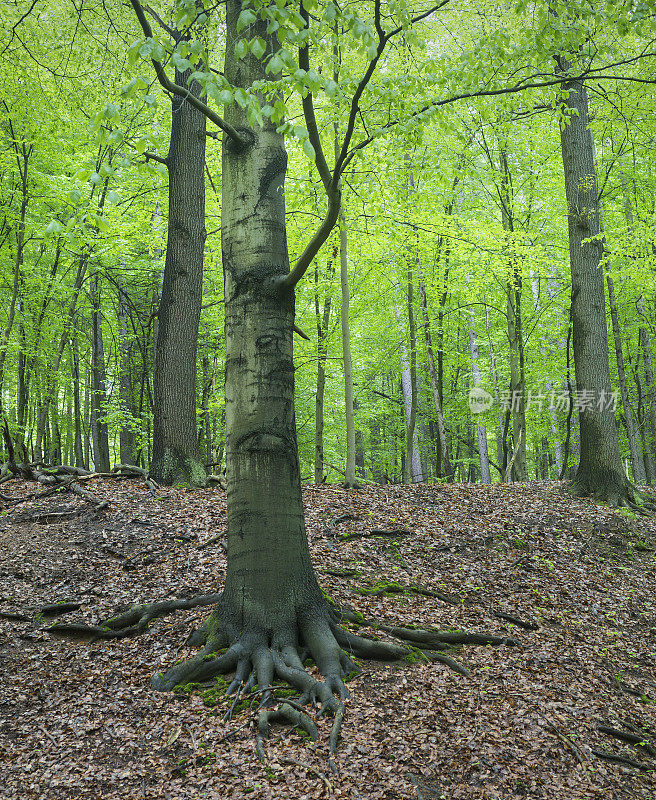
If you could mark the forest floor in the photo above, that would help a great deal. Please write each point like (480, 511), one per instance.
(80, 720)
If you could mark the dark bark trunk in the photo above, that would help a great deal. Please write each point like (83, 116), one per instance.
(176, 455)
(600, 472)
(515, 325)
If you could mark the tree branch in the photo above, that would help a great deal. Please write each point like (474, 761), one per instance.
(153, 157)
(160, 22)
(518, 87)
(314, 245)
(308, 110)
(172, 87)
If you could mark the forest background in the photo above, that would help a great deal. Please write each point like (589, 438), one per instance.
(453, 241)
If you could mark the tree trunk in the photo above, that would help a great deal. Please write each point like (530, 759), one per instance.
(23, 153)
(411, 461)
(495, 386)
(430, 357)
(176, 455)
(515, 327)
(322, 320)
(127, 443)
(271, 608)
(50, 380)
(600, 472)
(77, 413)
(637, 459)
(476, 380)
(99, 429)
(349, 477)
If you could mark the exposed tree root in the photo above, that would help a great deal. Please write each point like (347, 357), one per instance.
(636, 739)
(614, 489)
(131, 623)
(63, 477)
(259, 657)
(521, 623)
(397, 588)
(618, 759)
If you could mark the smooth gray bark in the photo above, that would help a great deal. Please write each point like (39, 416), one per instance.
(322, 318)
(349, 411)
(99, 429)
(481, 430)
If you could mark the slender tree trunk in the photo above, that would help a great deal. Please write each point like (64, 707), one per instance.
(637, 459)
(441, 428)
(322, 320)
(349, 477)
(50, 380)
(176, 455)
(600, 472)
(99, 428)
(515, 327)
(495, 386)
(411, 461)
(481, 430)
(77, 414)
(23, 153)
(127, 443)
(643, 339)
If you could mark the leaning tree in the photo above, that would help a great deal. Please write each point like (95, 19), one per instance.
(272, 613)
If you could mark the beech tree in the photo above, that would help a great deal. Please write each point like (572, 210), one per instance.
(271, 612)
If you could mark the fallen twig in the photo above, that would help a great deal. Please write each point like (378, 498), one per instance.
(564, 739)
(292, 762)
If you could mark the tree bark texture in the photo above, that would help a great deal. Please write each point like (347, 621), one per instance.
(176, 454)
(600, 472)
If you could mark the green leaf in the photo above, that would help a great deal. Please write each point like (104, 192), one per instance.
(258, 47)
(247, 17)
(54, 228)
(241, 98)
(275, 65)
(241, 48)
(308, 149)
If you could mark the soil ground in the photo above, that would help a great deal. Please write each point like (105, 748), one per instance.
(80, 720)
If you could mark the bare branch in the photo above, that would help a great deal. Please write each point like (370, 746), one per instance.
(20, 21)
